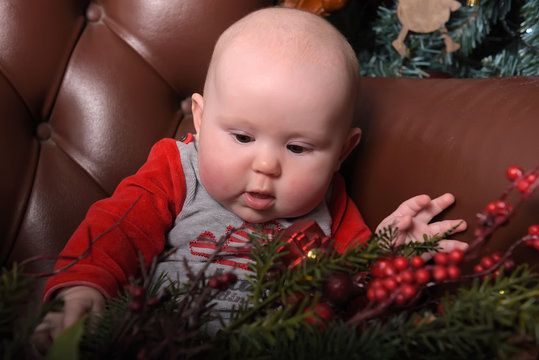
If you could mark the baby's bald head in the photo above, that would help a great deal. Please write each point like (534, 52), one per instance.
(293, 39)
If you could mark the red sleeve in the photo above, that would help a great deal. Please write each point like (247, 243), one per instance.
(348, 227)
(149, 202)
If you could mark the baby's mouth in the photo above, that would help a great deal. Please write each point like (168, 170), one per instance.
(257, 200)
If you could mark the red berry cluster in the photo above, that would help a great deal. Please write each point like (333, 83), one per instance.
(401, 278)
(222, 281)
(523, 183)
(499, 208)
(138, 298)
(533, 237)
(492, 263)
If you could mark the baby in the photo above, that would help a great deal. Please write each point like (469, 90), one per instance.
(273, 126)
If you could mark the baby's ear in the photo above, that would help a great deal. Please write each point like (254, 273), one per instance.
(350, 142)
(197, 107)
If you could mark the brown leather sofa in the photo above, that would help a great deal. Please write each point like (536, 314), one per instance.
(86, 88)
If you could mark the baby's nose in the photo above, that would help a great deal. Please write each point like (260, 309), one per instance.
(267, 163)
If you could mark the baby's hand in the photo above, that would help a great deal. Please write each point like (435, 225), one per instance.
(412, 219)
(78, 301)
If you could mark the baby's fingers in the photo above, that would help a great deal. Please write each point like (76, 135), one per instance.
(448, 227)
(45, 333)
(435, 207)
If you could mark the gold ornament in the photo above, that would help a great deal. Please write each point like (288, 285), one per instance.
(472, 3)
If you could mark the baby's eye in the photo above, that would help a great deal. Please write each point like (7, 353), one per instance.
(296, 149)
(243, 139)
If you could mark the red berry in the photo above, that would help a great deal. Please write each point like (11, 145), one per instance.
(523, 186)
(213, 282)
(407, 276)
(536, 244)
(497, 256)
(371, 294)
(491, 207)
(532, 178)
(487, 262)
(338, 287)
(390, 283)
(323, 312)
(453, 271)
(456, 256)
(400, 299)
(478, 268)
(380, 294)
(508, 264)
(138, 293)
(439, 273)
(408, 291)
(228, 278)
(422, 276)
(501, 206)
(401, 263)
(390, 270)
(377, 283)
(441, 258)
(533, 230)
(514, 172)
(417, 261)
(379, 267)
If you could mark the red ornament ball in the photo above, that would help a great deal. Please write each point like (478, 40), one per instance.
(322, 311)
(338, 287)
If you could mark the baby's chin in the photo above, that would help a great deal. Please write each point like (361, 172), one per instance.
(259, 217)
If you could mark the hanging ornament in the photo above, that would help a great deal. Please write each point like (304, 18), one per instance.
(319, 7)
(304, 240)
(425, 16)
(472, 3)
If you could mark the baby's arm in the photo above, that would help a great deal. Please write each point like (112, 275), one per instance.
(412, 218)
(78, 301)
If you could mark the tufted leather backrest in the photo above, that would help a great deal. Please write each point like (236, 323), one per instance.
(448, 135)
(87, 87)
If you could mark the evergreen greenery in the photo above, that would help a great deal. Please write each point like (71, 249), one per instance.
(497, 38)
(481, 319)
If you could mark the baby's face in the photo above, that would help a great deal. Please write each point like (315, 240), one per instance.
(270, 137)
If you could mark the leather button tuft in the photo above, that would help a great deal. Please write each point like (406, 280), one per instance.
(94, 13)
(44, 132)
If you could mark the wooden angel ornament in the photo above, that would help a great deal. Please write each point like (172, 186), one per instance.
(424, 16)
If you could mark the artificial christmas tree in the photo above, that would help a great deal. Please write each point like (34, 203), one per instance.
(496, 38)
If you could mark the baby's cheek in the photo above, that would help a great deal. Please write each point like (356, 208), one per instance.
(306, 192)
